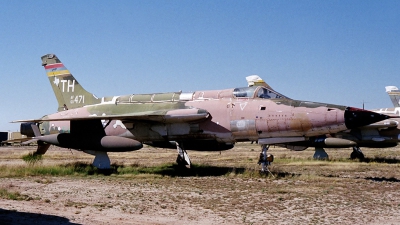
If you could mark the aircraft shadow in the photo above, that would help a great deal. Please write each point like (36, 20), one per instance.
(174, 170)
(383, 179)
(195, 171)
(11, 217)
(381, 160)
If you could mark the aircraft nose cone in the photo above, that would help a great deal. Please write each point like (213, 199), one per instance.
(355, 117)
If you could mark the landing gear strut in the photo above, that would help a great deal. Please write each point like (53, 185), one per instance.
(183, 158)
(320, 154)
(42, 148)
(101, 159)
(265, 159)
(357, 153)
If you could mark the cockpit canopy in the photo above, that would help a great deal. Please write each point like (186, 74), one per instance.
(256, 92)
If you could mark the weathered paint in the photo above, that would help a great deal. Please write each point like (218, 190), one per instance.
(220, 116)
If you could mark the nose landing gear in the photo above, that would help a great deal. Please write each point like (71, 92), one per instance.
(265, 160)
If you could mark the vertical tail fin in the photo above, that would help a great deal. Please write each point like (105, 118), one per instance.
(394, 94)
(69, 93)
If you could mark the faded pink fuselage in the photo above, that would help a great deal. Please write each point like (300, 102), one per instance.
(201, 120)
(229, 119)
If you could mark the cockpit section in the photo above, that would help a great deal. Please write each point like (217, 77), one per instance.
(257, 92)
(245, 92)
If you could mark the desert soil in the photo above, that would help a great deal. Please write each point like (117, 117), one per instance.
(303, 191)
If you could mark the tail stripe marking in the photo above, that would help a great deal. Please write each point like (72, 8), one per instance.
(55, 65)
(56, 69)
(57, 73)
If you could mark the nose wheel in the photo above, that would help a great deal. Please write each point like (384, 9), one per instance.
(183, 159)
(265, 160)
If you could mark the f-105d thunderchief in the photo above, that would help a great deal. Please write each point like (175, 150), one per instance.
(210, 120)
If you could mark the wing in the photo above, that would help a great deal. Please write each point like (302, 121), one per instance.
(164, 116)
(26, 140)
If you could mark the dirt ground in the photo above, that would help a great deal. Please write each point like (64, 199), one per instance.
(303, 191)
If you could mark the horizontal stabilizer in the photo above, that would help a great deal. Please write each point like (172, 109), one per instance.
(26, 140)
(29, 141)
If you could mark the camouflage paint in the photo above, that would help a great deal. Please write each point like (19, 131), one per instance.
(224, 117)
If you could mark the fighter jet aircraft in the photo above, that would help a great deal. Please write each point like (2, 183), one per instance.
(209, 120)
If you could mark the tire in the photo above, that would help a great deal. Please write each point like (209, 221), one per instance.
(357, 155)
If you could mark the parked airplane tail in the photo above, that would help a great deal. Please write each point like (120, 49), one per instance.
(69, 93)
(394, 94)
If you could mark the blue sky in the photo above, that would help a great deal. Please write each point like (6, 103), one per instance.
(341, 52)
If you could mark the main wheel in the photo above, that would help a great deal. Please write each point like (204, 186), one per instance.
(180, 161)
(357, 155)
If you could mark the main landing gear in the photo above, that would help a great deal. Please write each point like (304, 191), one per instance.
(357, 153)
(101, 159)
(183, 159)
(265, 159)
(320, 154)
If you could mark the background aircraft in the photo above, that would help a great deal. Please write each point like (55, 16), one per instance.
(394, 95)
(210, 120)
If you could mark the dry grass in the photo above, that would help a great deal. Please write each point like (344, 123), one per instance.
(222, 187)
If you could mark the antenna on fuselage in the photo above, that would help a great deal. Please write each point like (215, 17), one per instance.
(363, 104)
